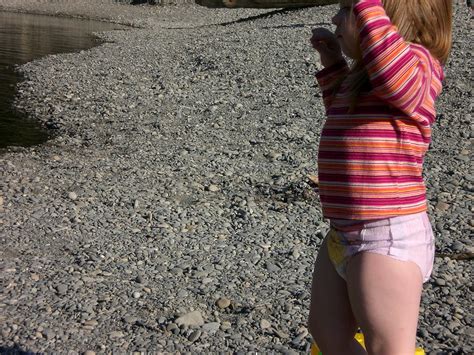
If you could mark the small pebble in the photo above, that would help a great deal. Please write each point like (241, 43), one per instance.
(213, 188)
(265, 324)
(62, 289)
(116, 335)
(226, 325)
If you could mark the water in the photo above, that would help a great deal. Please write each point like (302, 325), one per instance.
(25, 37)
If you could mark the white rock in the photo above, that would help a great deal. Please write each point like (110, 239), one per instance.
(191, 319)
(213, 188)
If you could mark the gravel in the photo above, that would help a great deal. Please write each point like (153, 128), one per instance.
(172, 210)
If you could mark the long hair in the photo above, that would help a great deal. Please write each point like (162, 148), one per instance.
(424, 22)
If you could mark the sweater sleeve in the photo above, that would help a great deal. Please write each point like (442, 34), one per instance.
(398, 74)
(326, 78)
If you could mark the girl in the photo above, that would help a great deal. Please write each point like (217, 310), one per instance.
(380, 248)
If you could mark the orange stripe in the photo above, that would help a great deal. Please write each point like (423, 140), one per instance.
(379, 145)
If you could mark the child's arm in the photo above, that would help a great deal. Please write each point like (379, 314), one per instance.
(327, 77)
(397, 74)
(330, 53)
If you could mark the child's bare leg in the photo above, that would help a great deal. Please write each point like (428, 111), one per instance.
(385, 297)
(331, 321)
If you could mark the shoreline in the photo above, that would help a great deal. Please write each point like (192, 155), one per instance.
(71, 16)
(26, 46)
(178, 183)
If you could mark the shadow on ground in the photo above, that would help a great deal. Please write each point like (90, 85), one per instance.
(14, 350)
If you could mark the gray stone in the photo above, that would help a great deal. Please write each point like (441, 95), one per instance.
(272, 267)
(211, 328)
(62, 289)
(226, 325)
(116, 335)
(265, 324)
(194, 335)
(130, 319)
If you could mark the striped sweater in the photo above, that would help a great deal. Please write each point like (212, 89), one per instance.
(370, 159)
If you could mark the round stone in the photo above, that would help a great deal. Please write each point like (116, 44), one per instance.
(223, 302)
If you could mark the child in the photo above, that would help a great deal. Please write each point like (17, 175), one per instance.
(380, 247)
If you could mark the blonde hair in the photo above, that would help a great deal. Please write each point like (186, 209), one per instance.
(424, 22)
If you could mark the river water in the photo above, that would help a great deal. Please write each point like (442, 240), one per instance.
(24, 37)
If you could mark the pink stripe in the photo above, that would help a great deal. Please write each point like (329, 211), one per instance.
(424, 112)
(368, 179)
(362, 109)
(381, 47)
(381, 22)
(373, 201)
(345, 155)
(402, 92)
(390, 73)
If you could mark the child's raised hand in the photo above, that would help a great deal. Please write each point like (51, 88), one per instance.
(327, 45)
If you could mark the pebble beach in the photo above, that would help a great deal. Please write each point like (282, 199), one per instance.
(173, 209)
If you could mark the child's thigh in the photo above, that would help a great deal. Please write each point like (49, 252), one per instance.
(330, 310)
(385, 297)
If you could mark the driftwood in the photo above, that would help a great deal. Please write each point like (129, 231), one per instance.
(264, 4)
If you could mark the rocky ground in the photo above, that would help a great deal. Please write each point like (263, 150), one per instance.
(172, 210)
